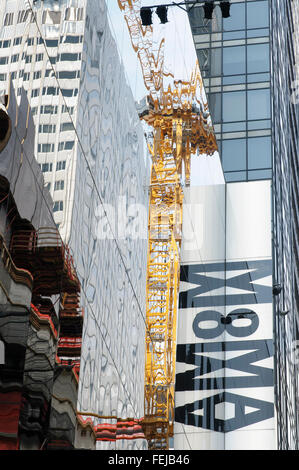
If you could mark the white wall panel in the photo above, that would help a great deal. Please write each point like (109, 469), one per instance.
(224, 373)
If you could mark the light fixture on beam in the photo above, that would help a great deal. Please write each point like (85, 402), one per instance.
(146, 16)
(225, 9)
(208, 9)
(162, 14)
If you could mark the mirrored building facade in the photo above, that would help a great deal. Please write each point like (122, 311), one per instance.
(90, 147)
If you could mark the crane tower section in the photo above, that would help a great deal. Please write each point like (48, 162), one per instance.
(180, 126)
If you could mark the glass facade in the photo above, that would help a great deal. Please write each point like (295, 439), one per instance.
(234, 57)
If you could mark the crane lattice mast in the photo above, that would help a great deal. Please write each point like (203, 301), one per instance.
(180, 124)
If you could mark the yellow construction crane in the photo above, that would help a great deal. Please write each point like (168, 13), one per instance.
(180, 125)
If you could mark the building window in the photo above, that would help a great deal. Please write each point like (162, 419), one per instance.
(52, 42)
(258, 14)
(234, 106)
(259, 153)
(26, 76)
(28, 59)
(45, 148)
(8, 20)
(60, 165)
(50, 90)
(258, 58)
(3, 77)
(66, 109)
(39, 57)
(4, 44)
(69, 56)
(234, 60)
(66, 126)
(59, 185)
(47, 128)
(58, 206)
(14, 58)
(234, 154)
(259, 174)
(37, 75)
(17, 41)
(235, 176)
(49, 73)
(69, 74)
(30, 41)
(22, 16)
(3, 60)
(49, 109)
(71, 39)
(46, 167)
(34, 92)
(258, 102)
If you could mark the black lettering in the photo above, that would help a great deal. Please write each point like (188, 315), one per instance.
(197, 274)
(208, 333)
(195, 354)
(225, 323)
(185, 414)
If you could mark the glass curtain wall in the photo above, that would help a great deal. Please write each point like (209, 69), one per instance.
(234, 56)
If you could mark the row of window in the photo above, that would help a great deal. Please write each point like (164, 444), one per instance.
(49, 147)
(50, 109)
(47, 167)
(51, 128)
(237, 106)
(54, 91)
(241, 154)
(249, 15)
(40, 56)
(59, 185)
(37, 75)
(71, 14)
(68, 39)
(65, 56)
(233, 60)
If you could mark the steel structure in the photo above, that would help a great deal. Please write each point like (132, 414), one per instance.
(180, 123)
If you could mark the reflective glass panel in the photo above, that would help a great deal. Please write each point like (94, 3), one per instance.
(234, 60)
(258, 102)
(259, 152)
(235, 176)
(234, 106)
(234, 154)
(257, 58)
(257, 14)
(237, 18)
